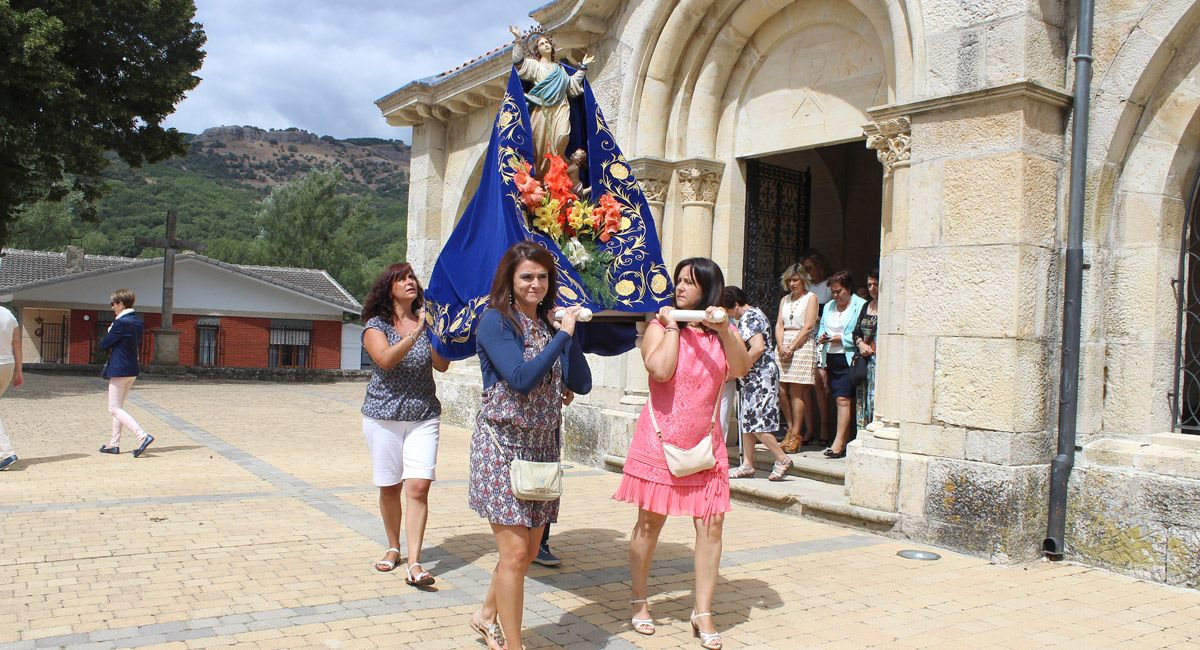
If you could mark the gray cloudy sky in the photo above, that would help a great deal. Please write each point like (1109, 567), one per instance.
(319, 65)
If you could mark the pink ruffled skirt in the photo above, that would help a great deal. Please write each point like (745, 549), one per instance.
(710, 498)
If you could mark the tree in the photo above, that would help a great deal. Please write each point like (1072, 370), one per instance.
(79, 77)
(309, 223)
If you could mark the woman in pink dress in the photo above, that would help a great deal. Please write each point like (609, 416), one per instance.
(688, 365)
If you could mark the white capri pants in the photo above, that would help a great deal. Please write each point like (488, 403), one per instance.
(401, 450)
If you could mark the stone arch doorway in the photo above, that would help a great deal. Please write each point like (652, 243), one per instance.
(828, 199)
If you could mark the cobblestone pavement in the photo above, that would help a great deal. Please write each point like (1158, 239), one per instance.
(252, 521)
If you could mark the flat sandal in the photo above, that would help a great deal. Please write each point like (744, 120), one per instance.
(779, 470)
(492, 635)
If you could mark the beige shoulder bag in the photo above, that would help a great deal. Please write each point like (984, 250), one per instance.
(685, 462)
(532, 480)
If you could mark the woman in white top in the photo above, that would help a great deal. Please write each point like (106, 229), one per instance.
(794, 329)
(836, 338)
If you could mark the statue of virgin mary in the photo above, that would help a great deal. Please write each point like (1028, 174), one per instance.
(549, 108)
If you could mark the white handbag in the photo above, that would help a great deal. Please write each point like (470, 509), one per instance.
(532, 480)
(685, 462)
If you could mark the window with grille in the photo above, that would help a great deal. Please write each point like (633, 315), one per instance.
(290, 344)
(1185, 402)
(208, 345)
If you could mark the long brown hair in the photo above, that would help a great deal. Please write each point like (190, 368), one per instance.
(379, 298)
(501, 296)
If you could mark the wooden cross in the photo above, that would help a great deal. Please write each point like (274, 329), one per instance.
(169, 244)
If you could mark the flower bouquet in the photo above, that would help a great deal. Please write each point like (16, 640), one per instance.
(579, 227)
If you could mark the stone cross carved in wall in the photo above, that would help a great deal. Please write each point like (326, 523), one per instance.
(699, 183)
(891, 140)
(166, 340)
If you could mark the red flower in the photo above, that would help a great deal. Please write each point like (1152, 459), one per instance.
(606, 218)
(529, 187)
(558, 183)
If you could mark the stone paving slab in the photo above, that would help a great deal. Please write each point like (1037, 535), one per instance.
(252, 522)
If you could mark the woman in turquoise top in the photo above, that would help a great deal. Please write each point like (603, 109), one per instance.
(836, 338)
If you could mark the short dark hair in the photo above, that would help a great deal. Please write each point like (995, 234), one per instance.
(873, 274)
(501, 296)
(710, 278)
(843, 278)
(379, 298)
(733, 297)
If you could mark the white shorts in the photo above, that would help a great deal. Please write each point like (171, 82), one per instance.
(401, 450)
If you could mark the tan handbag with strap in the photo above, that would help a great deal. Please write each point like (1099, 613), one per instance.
(685, 462)
(532, 480)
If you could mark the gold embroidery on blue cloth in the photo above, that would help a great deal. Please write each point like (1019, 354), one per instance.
(631, 283)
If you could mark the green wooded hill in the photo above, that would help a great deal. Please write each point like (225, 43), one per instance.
(254, 196)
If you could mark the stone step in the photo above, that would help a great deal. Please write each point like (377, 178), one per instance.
(809, 462)
(802, 497)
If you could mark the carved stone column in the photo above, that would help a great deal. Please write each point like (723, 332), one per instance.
(874, 469)
(699, 180)
(654, 176)
(891, 140)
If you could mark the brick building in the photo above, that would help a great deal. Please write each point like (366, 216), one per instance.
(228, 315)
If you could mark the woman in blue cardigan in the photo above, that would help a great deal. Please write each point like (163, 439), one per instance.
(122, 341)
(836, 338)
(529, 370)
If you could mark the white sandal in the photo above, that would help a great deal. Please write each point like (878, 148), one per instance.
(422, 577)
(643, 626)
(710, 641)
(390, 564)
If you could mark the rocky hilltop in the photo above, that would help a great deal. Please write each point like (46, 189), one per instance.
(265, 158)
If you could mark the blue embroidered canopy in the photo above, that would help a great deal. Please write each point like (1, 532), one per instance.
(495, 219)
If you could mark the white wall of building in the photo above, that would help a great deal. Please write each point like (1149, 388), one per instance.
(198, 286)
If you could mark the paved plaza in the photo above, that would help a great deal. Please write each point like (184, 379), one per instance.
(252, 521)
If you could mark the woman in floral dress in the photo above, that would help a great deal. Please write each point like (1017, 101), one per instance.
(527, 370)
(688, 365)
(758, 415)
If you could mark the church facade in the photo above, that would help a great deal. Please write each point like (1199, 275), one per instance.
(931, 139)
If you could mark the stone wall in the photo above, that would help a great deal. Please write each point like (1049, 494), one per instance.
(965, 104)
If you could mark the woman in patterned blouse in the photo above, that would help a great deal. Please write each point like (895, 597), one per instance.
(758, 415)
(530, 365)
(401, 412)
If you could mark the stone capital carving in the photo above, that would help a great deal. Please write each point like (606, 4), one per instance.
(699, 179)
(891, 140)
(654, 177)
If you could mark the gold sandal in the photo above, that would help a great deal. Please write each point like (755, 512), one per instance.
(492, 635)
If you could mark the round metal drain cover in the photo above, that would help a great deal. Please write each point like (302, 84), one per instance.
(910, 554)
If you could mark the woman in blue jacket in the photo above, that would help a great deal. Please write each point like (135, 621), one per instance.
(529, 369)
(123, 340)
(836, 338)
